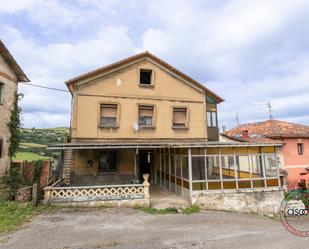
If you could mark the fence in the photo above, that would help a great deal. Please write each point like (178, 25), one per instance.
(55, 194)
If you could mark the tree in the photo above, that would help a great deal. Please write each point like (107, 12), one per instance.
(12, 178)
(14, 126)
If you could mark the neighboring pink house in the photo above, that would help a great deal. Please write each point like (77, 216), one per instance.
(295, 150)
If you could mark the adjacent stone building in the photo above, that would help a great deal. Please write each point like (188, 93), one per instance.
(10, 75)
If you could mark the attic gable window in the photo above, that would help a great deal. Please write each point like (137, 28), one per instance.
(180, 118)
(146, 116)
(145, 77)
(109, 115)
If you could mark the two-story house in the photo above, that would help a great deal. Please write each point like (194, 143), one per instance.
(10, 75)
(141, 116)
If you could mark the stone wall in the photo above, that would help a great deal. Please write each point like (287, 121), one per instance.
(259, 202)
(9, 86)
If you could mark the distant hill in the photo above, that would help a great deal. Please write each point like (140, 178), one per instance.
(34, 142)
(44, 136)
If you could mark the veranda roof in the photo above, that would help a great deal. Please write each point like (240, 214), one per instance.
(156, 144)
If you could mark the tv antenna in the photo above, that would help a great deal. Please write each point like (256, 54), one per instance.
(270, 110)
(237, 119)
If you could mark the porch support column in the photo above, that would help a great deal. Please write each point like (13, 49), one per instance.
(190, 172)
(220, 168)
(146, 185)
(135, 163)
(263, 165)
(169, 170)
(175, 180)
(160, 176)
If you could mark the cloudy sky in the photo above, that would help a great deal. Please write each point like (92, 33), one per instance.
(249, 52)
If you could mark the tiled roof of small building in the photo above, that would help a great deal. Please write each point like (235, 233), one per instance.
(271, 129)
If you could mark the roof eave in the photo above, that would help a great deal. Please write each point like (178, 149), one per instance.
(21, 76)
(136, 57)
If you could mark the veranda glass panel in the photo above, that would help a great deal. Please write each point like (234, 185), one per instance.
(172, 165)
(243, 166)
(185, 167)
(270, 165)
(257, 166)
(212, 165)
(178, 165)
(198, 168)
(228, 168)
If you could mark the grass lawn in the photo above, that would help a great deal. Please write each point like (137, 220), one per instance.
(13, 214)
(29, 156)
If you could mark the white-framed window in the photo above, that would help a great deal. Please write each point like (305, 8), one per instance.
(212, 119)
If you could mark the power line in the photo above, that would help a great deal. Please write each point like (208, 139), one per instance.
(45, 87)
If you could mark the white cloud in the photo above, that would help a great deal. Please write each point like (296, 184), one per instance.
(246, 51)
(15, 6)
(52, 64)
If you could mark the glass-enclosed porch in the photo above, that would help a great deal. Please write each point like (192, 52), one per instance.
(218, 168)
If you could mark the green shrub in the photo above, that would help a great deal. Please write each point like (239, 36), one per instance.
(191, 209)
(12, 181)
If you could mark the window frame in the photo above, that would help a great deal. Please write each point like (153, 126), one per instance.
(300, 149)
(153, 123)
(151, 85)
(210, 122)
(186, 127)
(117, 105)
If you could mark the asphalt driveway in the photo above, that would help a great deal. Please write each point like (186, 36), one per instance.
(133, 229)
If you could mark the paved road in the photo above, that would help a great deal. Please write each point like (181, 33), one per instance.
(132, 229)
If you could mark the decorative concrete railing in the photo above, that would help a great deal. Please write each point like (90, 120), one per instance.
(55, 194)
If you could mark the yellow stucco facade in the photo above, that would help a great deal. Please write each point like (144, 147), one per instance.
(122, 88)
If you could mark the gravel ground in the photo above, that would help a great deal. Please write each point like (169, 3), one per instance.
(133, 229)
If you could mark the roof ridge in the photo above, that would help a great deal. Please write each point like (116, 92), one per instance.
(151, 56)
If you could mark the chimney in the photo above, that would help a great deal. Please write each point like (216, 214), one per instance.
(245, 134)
(223, 129)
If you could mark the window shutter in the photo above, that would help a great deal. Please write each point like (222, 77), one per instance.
(109, 111)
(179, 115)
(145, 111)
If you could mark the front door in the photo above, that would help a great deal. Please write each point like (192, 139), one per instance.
(146, 163)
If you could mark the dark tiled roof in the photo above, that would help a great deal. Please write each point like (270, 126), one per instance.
(138, 57)
(271, 129)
